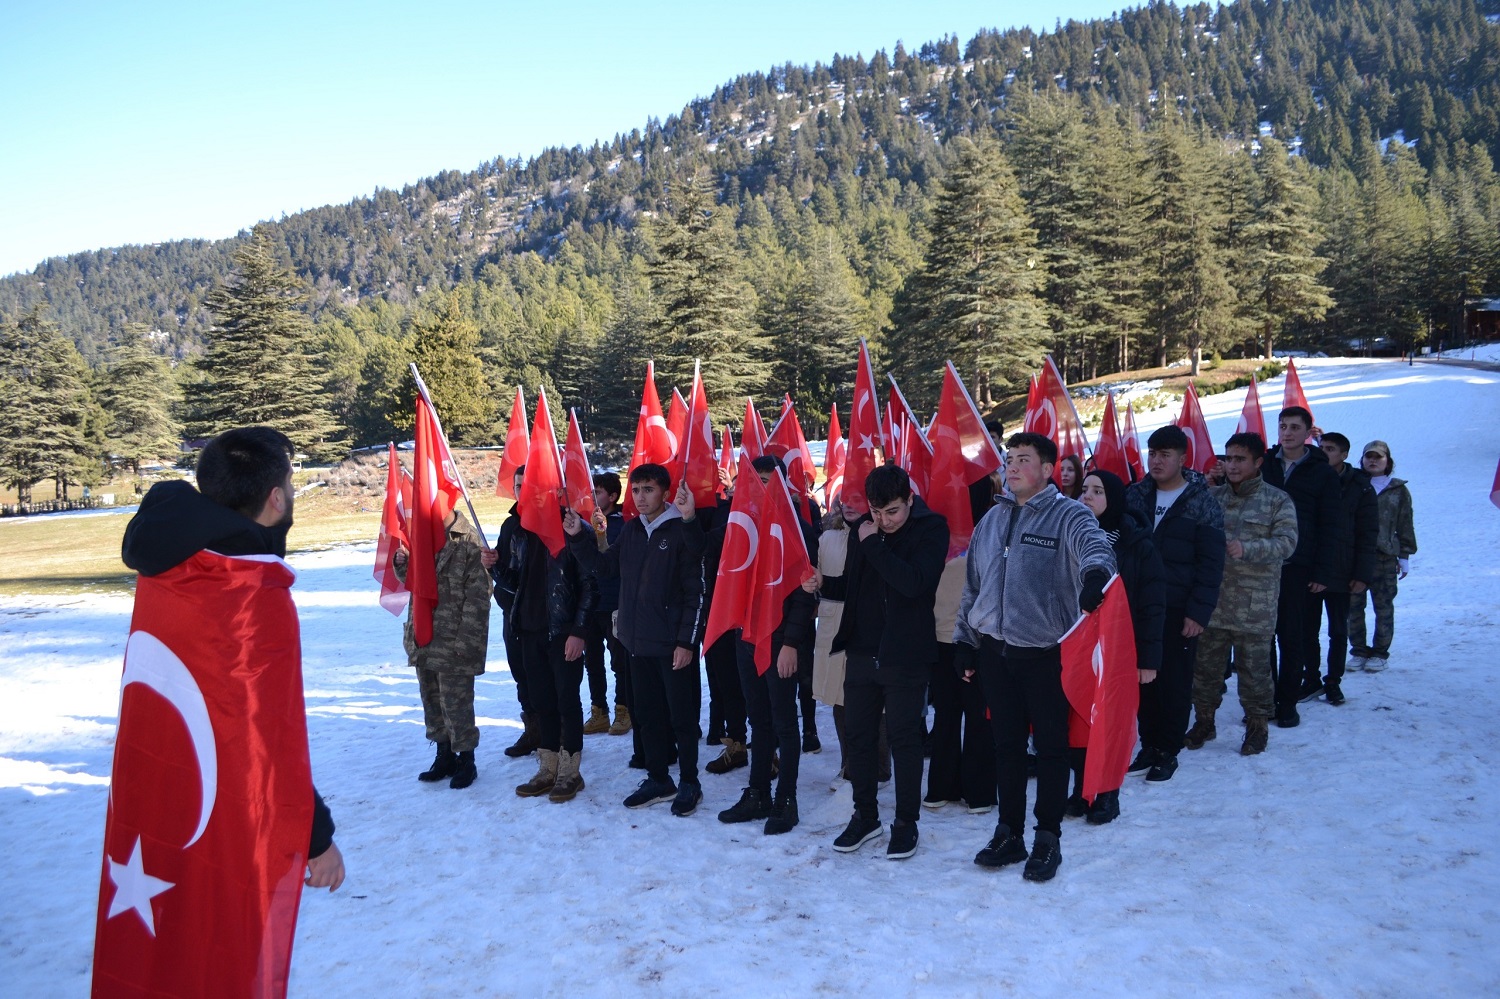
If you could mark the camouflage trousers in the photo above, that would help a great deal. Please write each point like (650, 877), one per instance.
(448, 709)
(1251, 655)
(1383, 595)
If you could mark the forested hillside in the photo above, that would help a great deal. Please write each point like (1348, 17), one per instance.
(1169, 182)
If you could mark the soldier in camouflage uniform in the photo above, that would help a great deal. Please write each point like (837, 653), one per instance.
(446, 666)
(1260, 530)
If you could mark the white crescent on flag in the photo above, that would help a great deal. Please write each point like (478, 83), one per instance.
(738, 518)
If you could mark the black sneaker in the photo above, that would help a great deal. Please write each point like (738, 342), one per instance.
(1106, 808)
(783, 817)
(1333, 693)
(1164, 768)
(753, 804)
(688, 797)
(903, 840)
(811, 743)
(1144, 760)
(1046, 854)
(1003, 849)
(1077, 808)
(636, 763)
(651, 792)
(1287, 717)
(1310, 691)
(857, 833)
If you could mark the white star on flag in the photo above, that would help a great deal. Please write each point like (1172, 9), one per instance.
(134, 888)
(866, 442)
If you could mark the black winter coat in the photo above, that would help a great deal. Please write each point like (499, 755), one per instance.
(1315, 492)
(1145, 582)
(505, 590)
(909, 564)
(1190, 541)
(1359, 517)
(571, 594)
(661, 583)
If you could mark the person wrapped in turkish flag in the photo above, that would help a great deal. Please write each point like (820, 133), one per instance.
(213, 822)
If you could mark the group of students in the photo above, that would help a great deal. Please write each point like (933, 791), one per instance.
(1226, 573)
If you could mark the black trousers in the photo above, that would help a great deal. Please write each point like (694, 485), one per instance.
(1025, 696)
(513, 659)
(599, 636)
(772, 705)
(1290, 664)
(553, 683)
(962, 765)
(871, 687)
(667, 704)
(1167, 702)
(726, 695)
(1337, 606)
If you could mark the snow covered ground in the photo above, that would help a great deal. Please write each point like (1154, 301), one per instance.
(1356, 857)
(1489, 352)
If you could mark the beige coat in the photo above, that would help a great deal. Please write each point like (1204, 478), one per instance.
(828, 667)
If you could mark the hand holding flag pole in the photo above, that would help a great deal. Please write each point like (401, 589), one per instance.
(473, 517)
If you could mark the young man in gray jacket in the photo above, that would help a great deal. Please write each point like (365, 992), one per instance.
(1036, 560)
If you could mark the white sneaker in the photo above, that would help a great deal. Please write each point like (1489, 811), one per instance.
(1358, 662)
(1375, 664)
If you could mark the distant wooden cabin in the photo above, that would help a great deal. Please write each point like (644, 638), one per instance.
(1482, 319)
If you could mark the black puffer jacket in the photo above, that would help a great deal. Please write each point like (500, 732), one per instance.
(505, 590)
(1145, 582)
(568, 596)
(1359, 519)
(1315, 492)
(661, 581)
(1190, 541)
(909, 564)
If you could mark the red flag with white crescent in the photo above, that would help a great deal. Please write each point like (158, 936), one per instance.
(735, 584)
(781, 567)
(834, 455)
(517, 441)
(962, 453)
(913, 453)
(578, 482)
(542, 492)
(1132, 444)
(677, 421)
(436, 491)
(211, 795)
(1100, 680)
(864, 436)
(1055, 417)
(698, 467)
(726, 457)
(1109, 452)
(752, 432)
(1292, 394)
(1200, 452)
(1252, 418)
(394, 595)
(654, 443)
(788, 443)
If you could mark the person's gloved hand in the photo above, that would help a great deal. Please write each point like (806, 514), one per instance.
(1092, 594)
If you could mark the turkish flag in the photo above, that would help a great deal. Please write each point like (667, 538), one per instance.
(516, 444)
(577, 482)
(542, 493)
(654, 443)
(1252, 419)
(834, 454)
(1495, 488)
(864, 435)
(1292, 394)
(780, 568)
(677, 420)
(752, 432)
(1100, 679)
(1054, 417)
(788, 443)
(210, 802)
(698, 468)
(393, 593)
(726, 457)
(962, 454)
(1109, 452)
(1200, 451)
(914, 451)
(735, 584)
(1132, 444)
(436, 492)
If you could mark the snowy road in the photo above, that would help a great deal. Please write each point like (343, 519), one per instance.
(1356, 857)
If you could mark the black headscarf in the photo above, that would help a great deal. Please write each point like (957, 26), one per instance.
(1114, 499)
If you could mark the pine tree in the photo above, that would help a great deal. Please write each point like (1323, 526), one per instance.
(260, 365)
(137, 392)
(445, 348)
(815, 335)
(49, 422)
(975, 298)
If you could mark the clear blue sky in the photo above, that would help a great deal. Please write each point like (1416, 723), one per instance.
(144, 122)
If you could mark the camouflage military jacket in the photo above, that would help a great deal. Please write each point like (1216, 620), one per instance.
(1263, 519)
(461, 620)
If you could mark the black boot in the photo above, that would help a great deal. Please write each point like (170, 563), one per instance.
(464, 770)
(754, 804)
(1106, 808)
(783, 817)
(443, 764)
(526, 744)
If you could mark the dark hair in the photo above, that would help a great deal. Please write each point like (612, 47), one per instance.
(651, 472)
(520, 470)
(768, 463)
(1073, 459)
(1298, 412)
(240, 467)
(609, 482)
(994, 427)
(1167, 438)
(1045, 449)
(1250, 441)
(887, 484)
(1338, 439)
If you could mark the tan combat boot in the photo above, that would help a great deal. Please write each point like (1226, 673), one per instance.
(598, 721)
(569, 780)
(1256, 731)
(622, 721)
(1203, 729)
(546, 775)
(735, 755)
